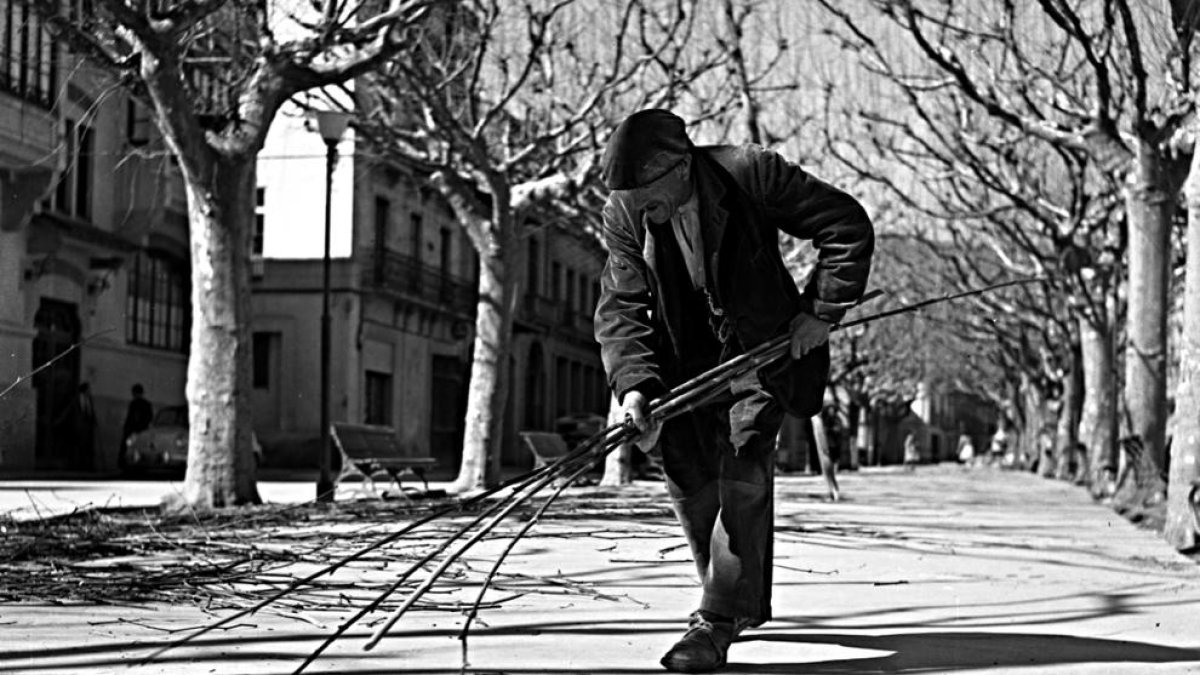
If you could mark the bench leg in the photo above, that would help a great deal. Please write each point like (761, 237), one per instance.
(395, 474)
(368, 484)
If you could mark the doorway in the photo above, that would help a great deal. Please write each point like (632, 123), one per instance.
(535, 389)
(449, 410)
(55, 386)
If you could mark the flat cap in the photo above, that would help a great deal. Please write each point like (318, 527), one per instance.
(643, 148)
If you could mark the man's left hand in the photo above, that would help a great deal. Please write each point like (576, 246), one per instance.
(807, 332)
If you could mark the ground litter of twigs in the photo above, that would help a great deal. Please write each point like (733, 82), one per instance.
(235, 558)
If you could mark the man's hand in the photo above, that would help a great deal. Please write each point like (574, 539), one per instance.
(807, 332)
(633, 410)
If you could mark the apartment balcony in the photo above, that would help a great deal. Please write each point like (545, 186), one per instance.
(538, 309)
(546, 315)
(404, 276)
(576, 321)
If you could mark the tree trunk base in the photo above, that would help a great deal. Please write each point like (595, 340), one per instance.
(1103, 485)
(1141, 491)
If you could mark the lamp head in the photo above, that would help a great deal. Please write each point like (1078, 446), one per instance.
(331, 124)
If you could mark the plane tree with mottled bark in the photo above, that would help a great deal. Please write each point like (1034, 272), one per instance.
(214, 73)
(1182, 526)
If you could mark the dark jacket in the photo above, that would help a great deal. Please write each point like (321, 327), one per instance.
(747, 194)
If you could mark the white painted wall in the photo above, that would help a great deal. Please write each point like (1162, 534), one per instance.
(291, 167)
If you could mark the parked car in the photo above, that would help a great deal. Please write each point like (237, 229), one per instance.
(164, 444)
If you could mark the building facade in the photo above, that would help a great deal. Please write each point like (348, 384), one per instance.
(95, 284)
(403, 298)
(93, 257)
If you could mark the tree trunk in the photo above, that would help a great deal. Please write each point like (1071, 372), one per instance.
(1030, 439)
(1148, 206)
(488, 391)
(1067, 437)
(1098, 419)
(220, 468)
(865, 438)
(618, 469)
(828, 467)
(1183, 511)
(851, 435)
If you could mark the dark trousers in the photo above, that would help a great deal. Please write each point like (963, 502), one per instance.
(719, 463)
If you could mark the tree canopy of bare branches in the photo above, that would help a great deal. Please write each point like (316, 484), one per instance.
(505, 109)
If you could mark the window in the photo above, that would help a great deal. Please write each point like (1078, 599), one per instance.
(446, 235)
(157, 311)
(28, 55)
(562, 386)
(377, 407)
(556, 281)
(532, 278)
(264, 354)
(577, 387)
(138, 124)
(383, 213)
(570, 296)
(72, 195)
(416, 236)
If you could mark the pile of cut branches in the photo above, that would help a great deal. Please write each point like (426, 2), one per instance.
(235, 558)
(219, 560)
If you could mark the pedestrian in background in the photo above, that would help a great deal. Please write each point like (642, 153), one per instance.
(912, 454)
(966, 450)
(137, 418)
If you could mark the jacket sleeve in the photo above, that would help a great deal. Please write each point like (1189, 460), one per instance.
(623, 322)
(808, 208)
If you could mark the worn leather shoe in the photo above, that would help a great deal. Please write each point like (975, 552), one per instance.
(703, 647)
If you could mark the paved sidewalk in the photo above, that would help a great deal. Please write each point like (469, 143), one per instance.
(941, 570)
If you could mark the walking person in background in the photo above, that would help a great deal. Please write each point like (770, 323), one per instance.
(137, 418)
(912, 455)
(966, 450)
(695, 277)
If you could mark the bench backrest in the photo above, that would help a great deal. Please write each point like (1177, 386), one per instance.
(370, 441)
(546, 446)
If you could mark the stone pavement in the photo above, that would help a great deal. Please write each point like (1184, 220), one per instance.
(941, 570)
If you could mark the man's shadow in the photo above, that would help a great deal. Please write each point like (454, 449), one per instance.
(951, 651)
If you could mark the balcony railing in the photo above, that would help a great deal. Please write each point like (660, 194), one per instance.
(555, 314)
(540, 309)
(404, 275)
(577, 321)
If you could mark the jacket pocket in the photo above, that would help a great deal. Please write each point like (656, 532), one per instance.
(799, 384)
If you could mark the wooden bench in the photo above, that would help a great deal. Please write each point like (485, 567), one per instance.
(369, 449)
(546, 446)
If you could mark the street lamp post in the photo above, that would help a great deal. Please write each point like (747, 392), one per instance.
(331, 125)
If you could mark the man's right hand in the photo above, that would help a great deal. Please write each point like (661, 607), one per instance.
(634, 410)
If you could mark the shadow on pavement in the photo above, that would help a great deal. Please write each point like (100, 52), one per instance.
(949, 652)
(914, 652)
